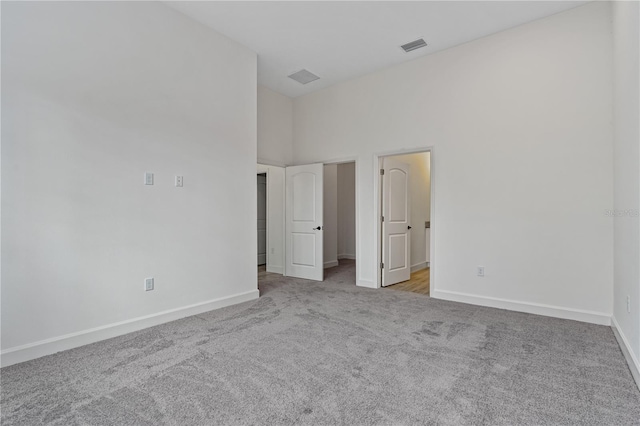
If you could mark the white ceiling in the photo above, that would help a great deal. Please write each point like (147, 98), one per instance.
(342, 40)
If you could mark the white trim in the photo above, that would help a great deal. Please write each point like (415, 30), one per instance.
(284, 223)
(275, 269)
(600, 318)
(358, 248)
(347, 256)
(263, 169)
(267, 163)
(632, 360)
(330, 264)
(80, 338)
(366, 283)
(341, 160)
(419, 266)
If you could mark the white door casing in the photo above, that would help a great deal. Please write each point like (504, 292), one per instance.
(262, 219)
(396, 238)
(304, 191)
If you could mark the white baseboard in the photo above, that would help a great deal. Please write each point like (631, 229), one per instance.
(275, 269)
(531, 308)
(330, 264)
(347, 256)
(631, 358)
(419, 266)
(73, 340)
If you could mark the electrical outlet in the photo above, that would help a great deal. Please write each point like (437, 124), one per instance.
(480, 271)
(629, 304)
(148, 178)
(179, 181)
(148, 284)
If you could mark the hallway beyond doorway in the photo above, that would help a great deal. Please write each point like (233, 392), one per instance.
(419, 283)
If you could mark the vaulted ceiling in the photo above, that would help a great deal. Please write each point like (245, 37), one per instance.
(342, 40)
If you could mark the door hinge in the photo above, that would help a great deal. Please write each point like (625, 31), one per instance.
(383, 218)
(382, 171)
(382, 266)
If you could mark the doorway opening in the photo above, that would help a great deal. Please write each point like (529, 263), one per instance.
(270, 223)
(339, 230)
(309, 223)
(262, 220)
(405, 222)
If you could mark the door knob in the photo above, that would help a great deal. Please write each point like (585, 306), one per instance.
(319, 228)
(408, 227)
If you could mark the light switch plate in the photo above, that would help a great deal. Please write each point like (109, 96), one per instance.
(148, 284)
(148, 178)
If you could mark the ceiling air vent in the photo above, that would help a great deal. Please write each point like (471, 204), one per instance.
(304, 77)
(417, 44)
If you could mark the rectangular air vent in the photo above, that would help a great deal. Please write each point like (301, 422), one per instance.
(304, 77)
(417, 44)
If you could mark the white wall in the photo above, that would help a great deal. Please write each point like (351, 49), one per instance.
(420, 193)
(330, 216)
(275, 128)
(520, 124)
(347, 211)
(95, 94)
(626, 33)
(275, 217)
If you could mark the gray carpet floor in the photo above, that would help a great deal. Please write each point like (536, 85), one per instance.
(332, 353)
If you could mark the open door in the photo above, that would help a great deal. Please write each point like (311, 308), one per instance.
(396, 242)
(304, 189)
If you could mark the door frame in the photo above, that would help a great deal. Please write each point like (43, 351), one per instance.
(344, 160)
(377, 207)
(260, 169)
(266, 215)
(264, 169)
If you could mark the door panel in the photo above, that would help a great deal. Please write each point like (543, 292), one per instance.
(303, 218)
(396, 240)
(398, 183)
(397, 251)
(304, 194)
(303, 249)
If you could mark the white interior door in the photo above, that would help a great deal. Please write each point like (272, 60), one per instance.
(304, 189)
(396, 240)
(262, 219)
